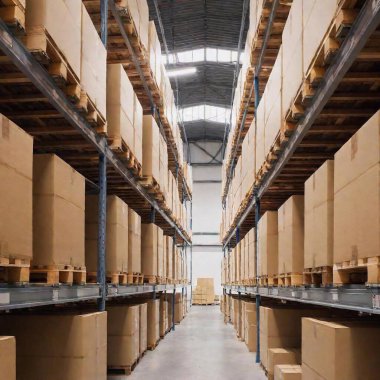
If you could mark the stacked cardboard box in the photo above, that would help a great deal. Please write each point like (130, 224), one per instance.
(164, 316)
(139, 12)
(250, 326)
(149, 250)
(154, 51)
(151, 149)
(178, 308)
(153, 328)
(287, 372)
(268, 244)
(281, 356)
(8, 357)
(204, 293)
(160, 253)
(143, 327)
(134, 242)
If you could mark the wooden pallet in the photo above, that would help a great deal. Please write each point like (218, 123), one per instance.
(153, 187)
(122, 370)
(135, 278)
(121, 148)
(12, 12)
(289, 279)
(153, 346)
(14, 270)
(57, 274)
(318, 276)
(117, 278)
(150, 279)
(359, 271)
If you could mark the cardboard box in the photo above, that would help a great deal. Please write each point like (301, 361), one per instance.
(116, 234)
(16, 173)
(58, 213)
(8, 357)
(250, 326)
(268, 244)
(288, 372)
(164, 316)
(151, 148)
(123, 335)
(346, 350)
(143, 318)
(71, 345)
(160, 252)
(134, 242)
(357, 195)
(153, 327)
(149, 252)
(319, 217)
(154, 51)
(291, 235)
(138, 128)
(278, 356)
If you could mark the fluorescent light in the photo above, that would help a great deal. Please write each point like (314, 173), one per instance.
(187, 71)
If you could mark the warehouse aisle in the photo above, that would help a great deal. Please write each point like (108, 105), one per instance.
(202, 347)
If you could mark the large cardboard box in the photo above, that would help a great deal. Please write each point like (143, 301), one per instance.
(153, 322)
(250, 326)
(251, 254)
(8, 357)
(143, 318)
(71, 345)
(123, 348)
(16, 173)
(346, 350)
(288, 372)
(160, 252)
(149, 251)
(154, 51)
(116, 234)
(93, 64)
(138, 128)
(151, 148)
(291, 235)
(169, 257)
(357, 195)
(319, 217)
(61, 20)
(178, 308)
(164, 316)
(134, 242)
(278, 356)
(268, 244)
(58, 213)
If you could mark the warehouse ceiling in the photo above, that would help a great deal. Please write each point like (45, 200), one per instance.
(210, 27)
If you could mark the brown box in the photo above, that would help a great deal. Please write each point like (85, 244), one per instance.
(178, 308)
(357, 195)
(164, 316)
(143, 317)
(116, 234)
(160, 252)
(151, 149)
(154, 50)
(149, 251)
(71, 345)
(319, 217)
(153, 322)
(268, 244)
(345, 350)
(123, 335)
(288, 372)
(282, 356)
(134, 242)
(8, 357)
(16, 173)
(250, 326)
(169, 257)
(58, 212)
(291, 235)
(251, 254)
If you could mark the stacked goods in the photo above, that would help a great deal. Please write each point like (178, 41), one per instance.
(291, 241)
(139, 12)
(163, 259)
(164, 316)
(268, 247)
(358, 359)
(16, 173)
(154, 51)
(356, 204)
(8, 357)
(248, 167)
(149, 252)
(287, 372)
(204, 293)
(58, 213)
(123, 336)
(153, 328)
(151, 150)
(73, 346)
(250, 326)
(319, 225)
(134, 242)
(169, 257)
(160, 253)
(237, 316)
(13, 14)
(163, 167)
(282, 356)
(250, 237)
(178, 308)
(188, 174)
(93, 72)
(116, 236)
(124, 113)
(143, 327)
(243, 260)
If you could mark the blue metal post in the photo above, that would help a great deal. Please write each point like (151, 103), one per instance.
(173, 306)
(258, 299)
(101, 273)
(104, 21)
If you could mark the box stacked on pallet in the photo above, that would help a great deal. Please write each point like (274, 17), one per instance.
(287, 372)
(160, 254)
(71, 345)
(164, 316)
(16, 187)
(178, 308)
(58, 213)
(12, 12)
(250, 326)
(204, 293)
(134, 245)
(8, 357)
(282, 356)
(237, 316)
(143, 328)
(116, 239)
(149, 252)
(169, 258)
(153, 323)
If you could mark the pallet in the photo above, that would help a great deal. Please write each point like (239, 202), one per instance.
(153, 346)
(122, 370)
(117, 278)
(150, 279)
(318, 276)
(359, 271)
(121, 148)
(14, 270)
(57, 274)
(152, 186)
(12, 12)
(135, 278)
(288, 279)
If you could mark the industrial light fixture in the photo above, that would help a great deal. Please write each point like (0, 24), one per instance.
(181, 72)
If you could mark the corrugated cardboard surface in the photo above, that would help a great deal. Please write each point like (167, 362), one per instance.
(154, 51)
(278, 356)
(160, 251)
(149, 246)
(143, 312)
(357, 195)
(134, 242)
(58, 212)
(268, 244)
(73, 346)
(16, 172)
(153, 327)
(8, 357)
(290, 372)
(164, 317)
(151, 148)
(138, 128)
(116, 234)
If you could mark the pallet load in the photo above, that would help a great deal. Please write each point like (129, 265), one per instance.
(204, 293)
(71, 345)
(237, 316)
(281, 356)
(8, 357)
(123, 335)
(291, 241)
(16, 187)
(153, 328)
(58, 213)
(169, 258)
(250, 326)
(356, 207)
(163, 177)
(319, 226)
(358, 359)
(149, 252)
(116, 239)
(160, 256)
(164, 316)
(154, 51)
(178, 308)
(143, 328)
(134, 248)
(287, 372)
(12, 12)
(139, 13)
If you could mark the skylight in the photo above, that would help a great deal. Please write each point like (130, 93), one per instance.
(206, 112)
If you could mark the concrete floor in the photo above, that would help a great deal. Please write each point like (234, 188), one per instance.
(202, 347)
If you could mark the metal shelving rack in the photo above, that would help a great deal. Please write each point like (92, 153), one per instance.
(360, 298)
(16, 297)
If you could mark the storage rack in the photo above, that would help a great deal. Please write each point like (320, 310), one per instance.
(360, 43)
(88, 152)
